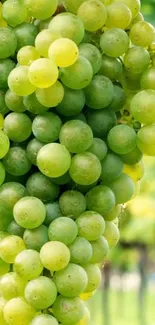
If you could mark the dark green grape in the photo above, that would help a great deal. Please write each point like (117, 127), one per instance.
(101, 121)
(112, 167)
(52, 212)
(72, 203)
(100, 199)
(123, 188)
(72, 103)
(122, 139)
(118, 100)
(133, 157)
(16, 161)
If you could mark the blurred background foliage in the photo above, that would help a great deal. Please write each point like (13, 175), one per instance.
(148, 9)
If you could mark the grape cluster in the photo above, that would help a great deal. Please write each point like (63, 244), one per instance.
(77, 104)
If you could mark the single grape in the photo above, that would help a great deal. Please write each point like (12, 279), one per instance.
(2, 173)
(29, 212)
(6, 214)
(112, 167)
(26, 34)
(100, 199)
(17, 126)
(44, 319)
(134, 5)
(4, 269)
(32, 150)
(118, 100)
(68, 310)
(111, 234)
(28, 265)
(101, 121)
(64, 52)
(27, 54)
(43, 41)
(14, 102)
(91, 225)
(94, 277)
(12, 286)
(39, 9)
(146, 139)
(6, 66)
(16, 161)
(118, 16)
(122, 139)
(148, 79)
(136, 172)
(55, 255)
(136, 60)
(123, 188)
(43, 73)
(14, 12)
(63, 229)
(67, 25)
(81, 251)
(99, 93)
(8, 42)
(113, 214)
(52, 212)
(93, 15)
(72, 103)
(19, 83)
(72, 203)
(142, 106)
(132, 157)
(46, 128)
(100, 249)
(92, 54)
(85, 168)
(10, 247)
(36, 238)
(142, 34)
(15, 229)
(114, 42)
(51, 96)
(98, 148)
(17, 311)
(111, 67)
(53, 160)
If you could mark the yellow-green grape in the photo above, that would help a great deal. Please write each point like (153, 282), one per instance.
(114, 42)
(64, 52)
(2, 173)
(63, 229)
(2, 304)
(43, 73)
(1, 121)
(41, 9)
(94, 277)
(112, 234)
(136, 172)
(27, 54)
(86, 318)
(55, 255)
(113, 214)
(142, 106)
(51, 96)
(14, 12)
(81, 251)
(4, 268)
(136, 60)
(12, 285)
(142, 34)
(136, 19)
(4, 144)
(72, 6)
(91, 225)
(100, 250)
(43, 319)
(118, 15)
(43, 41)
(28, 265)
(122, 139)
(134, 5)
(19, 83)
(93, 15)
(148, 79)
(68, 311)
(17, 311)
(146, 139)
(10, 247)
(87, 295)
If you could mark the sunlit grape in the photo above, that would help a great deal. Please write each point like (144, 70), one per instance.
(64, 52)
(93, 14)
(19, 83)
(43, 73)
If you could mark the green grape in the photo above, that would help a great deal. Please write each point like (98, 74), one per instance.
(134, 5)
(142, 106)
(46, 128)
(67, 25)
(62, 180)
(11, 192)
(16, 162)
(136, 19)
(122, 139)
(28, 265)
(111, 67)
(29, 212)
(111, 234)
(92, 54)
(85, 168)
(19, 83)
(2, 173)
(2, 304)
(148, 79)
(43, 73)
(32, 150)
(12, 285)
(64, 52)
(27, 54)
(133, 157)
(73, 6)
(39, 9)
(142, 34)
(118, 16)
(14, 12)
(100, 249)
(101, 121)
(36, 238)
(5, 213)
(94, 277)
(17, 311)
(99, 93)
(77, 76)
(123, 188)
(136, 59)
(43, 41)
(53, 160)
(76, 136)
(114, 42)
(4, 268)
(10, 247)
(118, 100)
(52, 212)
(14, 102)
(33, 105)
(112, 167)
(113, 214)
(17, 126)
(98, 148)
(68, 310)
(100, 199)
(54, 256)
(72, 203)
(44, 319)
(52, 96)
(63, 229)
(81, 251)
(6, 66)
(91, 225)
(26, 34)
(72, 103)
(15, 229)
(146, 140)
(4, 144)
(42, 187)
(8, 41)
(93, 15)
(71, 281)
